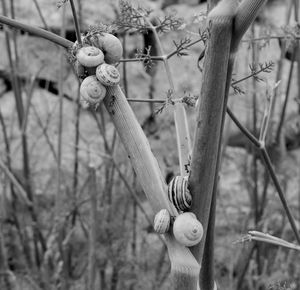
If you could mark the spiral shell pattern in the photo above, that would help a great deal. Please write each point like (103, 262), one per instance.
(187, 230)
(90, 56)
(91, 90)
(178, 193)
(108, 75)
(162, 221)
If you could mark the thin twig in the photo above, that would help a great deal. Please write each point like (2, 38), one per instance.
(76, 23)
(267, 238)
(41, 14)
(287, 93)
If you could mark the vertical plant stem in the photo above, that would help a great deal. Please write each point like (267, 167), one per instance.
(254, 169)
(76, 22)
(287, 93)
(80, 19)
(76, 161)
(58, 197)
(124, 67)
(93, 229)
(206, 280)
(14, 33)
(208, 125)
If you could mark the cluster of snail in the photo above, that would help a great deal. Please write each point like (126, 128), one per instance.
(95, 63)
(187, 230)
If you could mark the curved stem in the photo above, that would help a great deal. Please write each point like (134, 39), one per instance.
(36, 31)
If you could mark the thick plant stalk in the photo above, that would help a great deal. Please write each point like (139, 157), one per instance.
(208, 126)
(245, 15)
(184, 266)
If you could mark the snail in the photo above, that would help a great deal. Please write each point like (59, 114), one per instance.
(162, 221)
(109, 44)
(90, 56)
(108, 75)
(187, 230)
(91, 90)
(179, 194)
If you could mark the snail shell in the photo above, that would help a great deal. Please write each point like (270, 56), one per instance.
(90, 56)
(91, 90)
(109, 44)
(187, 230)
(108, 75)
(178, 193)
(162, 221)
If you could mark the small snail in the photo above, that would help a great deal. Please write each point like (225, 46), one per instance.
(187, 230)
(91, 90)
(108, 75)
(109, 44)
(179, 194)
(90, 56)
(162, 221)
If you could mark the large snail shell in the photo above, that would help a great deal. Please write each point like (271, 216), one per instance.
(108, 75)
(179, 194)
(109, 44)
(90, 56)
(187, 230)
(91, 90)
(162, 221)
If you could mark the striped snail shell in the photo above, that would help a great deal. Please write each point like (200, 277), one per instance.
(187, 230)
(108, 75)
(91, 90)
(162, 221)
(178, 193)
(90, 56)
